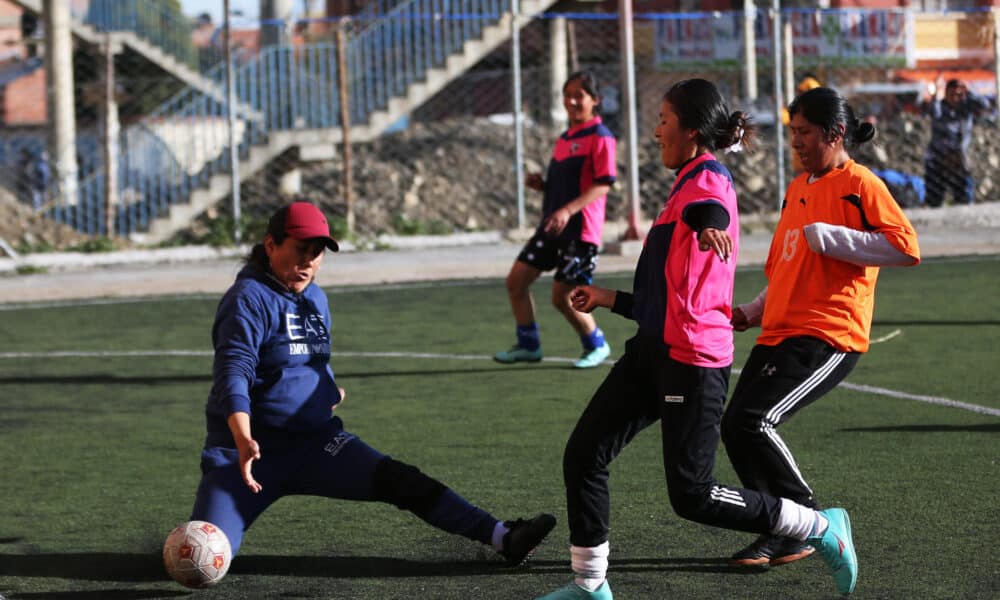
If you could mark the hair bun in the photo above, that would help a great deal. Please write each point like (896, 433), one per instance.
(866, 131)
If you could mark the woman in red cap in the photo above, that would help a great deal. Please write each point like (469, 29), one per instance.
(271, 429)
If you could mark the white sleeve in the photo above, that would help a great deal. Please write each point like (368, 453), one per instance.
(754, 309)
(862, 248)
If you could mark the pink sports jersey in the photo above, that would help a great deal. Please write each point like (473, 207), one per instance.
(681, 291)
(584, 155)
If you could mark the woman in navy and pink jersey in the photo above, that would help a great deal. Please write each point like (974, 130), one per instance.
(576, 185)
(675, 370)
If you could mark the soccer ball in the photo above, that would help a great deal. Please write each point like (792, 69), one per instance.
(197, 554)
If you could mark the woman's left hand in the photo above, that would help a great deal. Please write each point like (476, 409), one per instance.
(557, 221)
(343, 396)
(717, 241)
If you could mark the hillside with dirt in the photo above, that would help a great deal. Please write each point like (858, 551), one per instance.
(457, 175)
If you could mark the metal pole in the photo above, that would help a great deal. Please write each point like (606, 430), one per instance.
(234, 150)
(749, 52)
(515, 59)
(345, 121)
(789, 60)
(779, 100)
(996, 54)
(110, 131)
(629, 104)
(558, 71)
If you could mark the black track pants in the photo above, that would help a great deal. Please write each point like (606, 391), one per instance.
(646, 386)
(776, 382)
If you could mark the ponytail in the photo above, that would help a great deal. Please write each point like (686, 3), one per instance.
(738, 135)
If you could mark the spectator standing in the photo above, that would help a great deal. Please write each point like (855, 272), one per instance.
(946, 164)
(33, 177)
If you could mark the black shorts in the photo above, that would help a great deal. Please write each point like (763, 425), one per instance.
(573, 260)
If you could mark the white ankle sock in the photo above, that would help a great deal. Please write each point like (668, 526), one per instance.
(799, 522)
(499, 530)
(590, 565)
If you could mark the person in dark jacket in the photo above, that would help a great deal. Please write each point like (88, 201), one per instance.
(946, 164)
(271, 428)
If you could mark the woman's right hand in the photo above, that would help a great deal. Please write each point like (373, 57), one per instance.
(249, 452)
(588, 297)
(739, 320)
(534, 181)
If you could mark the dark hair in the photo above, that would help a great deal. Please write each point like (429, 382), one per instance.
(952, 84)
(829, 111)
(699, 106)
(276, 229)
(588, 81)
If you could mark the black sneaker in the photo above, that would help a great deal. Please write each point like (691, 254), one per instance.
(523, 536)
(771, 551)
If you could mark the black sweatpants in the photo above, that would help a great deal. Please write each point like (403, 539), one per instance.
(776, 382)
(643, 387)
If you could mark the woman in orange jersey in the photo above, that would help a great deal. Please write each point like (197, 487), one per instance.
(838, 225)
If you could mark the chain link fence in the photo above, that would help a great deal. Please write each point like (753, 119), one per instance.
(400, 119)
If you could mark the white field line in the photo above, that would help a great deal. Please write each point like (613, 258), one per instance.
(886, 337)
(867, 389)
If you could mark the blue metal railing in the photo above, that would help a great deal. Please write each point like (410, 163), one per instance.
(184, 142)
(150, 20)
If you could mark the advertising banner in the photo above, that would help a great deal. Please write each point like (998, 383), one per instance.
(883, 38)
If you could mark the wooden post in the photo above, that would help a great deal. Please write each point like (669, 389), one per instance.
(345, 121)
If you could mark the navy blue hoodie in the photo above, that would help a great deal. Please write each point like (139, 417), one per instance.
(272, 360)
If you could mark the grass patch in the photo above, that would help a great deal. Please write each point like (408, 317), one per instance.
(100, 453)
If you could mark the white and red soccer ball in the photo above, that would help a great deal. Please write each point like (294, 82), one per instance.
(197, 554)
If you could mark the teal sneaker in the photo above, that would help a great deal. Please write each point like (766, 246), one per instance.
(518, 354)
(836, 546)
(575, 592)
(593, 358)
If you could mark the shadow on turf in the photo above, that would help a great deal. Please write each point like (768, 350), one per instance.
(106, 566)
(93, 566)
(101, 595)
(354, 567)
(981, 428)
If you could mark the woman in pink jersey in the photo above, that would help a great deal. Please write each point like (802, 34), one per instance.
(575, 190)
(675, 370)
(838, 225)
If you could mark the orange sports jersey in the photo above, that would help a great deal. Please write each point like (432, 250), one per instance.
(810, 294)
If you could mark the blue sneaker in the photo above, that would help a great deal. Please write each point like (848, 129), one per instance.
(575, 592)
(518, 354)
(836, 546)
(593, 358)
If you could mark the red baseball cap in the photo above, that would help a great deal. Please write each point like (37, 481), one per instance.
(305, 221)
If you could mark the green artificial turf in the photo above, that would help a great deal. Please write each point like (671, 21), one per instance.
(100, 453)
